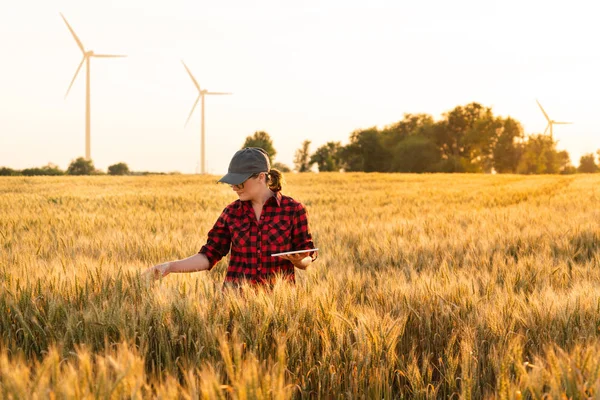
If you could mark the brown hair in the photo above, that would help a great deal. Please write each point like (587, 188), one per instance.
(275, 179)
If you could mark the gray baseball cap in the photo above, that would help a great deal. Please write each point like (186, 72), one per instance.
(245, 162)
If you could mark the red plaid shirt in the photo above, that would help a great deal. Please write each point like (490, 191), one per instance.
(283, 226)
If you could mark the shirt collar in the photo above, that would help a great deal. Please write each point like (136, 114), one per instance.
(277, 196)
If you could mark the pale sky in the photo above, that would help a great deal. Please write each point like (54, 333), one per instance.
(299, 70)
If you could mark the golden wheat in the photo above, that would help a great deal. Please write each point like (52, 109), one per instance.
(426, 286)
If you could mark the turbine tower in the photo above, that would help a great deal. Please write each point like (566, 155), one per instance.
(201, 94)
(87, 55)
(550, 122)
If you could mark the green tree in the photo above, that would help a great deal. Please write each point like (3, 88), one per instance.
(482, 138)
(507, 149)
(53, 169)
(302, 158)
(327, 157)
(410, 125)
(415, 153)
(118, 169)
(540, 157)
(351, 158)
(281, 167)
(587, 164)
(263, 140)
(5, 171)
(33, 171)
(415, 131)
(48, 170)
(563, 161)
(366, 152)
(466, 136)
(81, 166)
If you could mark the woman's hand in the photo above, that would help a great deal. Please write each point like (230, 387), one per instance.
(300, 261)
(157, 271)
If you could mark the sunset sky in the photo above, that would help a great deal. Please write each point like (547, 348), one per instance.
(313, 70)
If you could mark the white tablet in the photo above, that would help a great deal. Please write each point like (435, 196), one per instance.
(293, 252)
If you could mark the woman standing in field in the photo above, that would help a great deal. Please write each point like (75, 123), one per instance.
(260, 223)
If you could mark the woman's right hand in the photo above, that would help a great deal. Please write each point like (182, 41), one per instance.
(157, 271)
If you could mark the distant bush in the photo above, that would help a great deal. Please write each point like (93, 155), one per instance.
(81, 166)
(5, 171)
(118, 169)
(48, 170)
(144, 173)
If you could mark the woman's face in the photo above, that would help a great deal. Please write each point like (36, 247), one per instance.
(250, 188)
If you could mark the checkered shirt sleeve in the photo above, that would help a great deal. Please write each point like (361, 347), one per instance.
(218, 241)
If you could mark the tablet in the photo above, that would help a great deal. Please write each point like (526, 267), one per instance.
(293, 252)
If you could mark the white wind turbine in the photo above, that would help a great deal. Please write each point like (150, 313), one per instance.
(201, 94)
(550, 122)
(86, 58)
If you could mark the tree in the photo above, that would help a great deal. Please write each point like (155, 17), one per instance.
(540, 157)
(328, 157)
(587, 164)
(52, 169)
(281, 167)
(466, 136)
(410, 125)
(415, 153)
(5, 171)
(564, 163)
(507, 149)
(302, 158)
(482, 138)
(365, 152)
(81, 166)
(48, 170)
(118, 169)
(351, 158)
(263, 140)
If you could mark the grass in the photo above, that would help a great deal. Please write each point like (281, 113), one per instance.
(427, 286)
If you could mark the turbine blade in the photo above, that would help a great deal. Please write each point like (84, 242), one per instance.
(547, 127)
(541, 108)
(75, 76)
(218, 93)
(191, 76)
(193, 108)
(108, 55)
(74, 35)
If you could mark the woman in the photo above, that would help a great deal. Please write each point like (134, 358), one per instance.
(262, 222)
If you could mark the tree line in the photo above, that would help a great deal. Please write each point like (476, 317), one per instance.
(79, 166)
(468, 138)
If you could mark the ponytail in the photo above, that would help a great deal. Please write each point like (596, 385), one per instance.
(275, 180)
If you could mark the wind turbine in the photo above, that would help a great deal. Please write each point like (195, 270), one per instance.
(550, 121)
(201, 94)
(87, 55)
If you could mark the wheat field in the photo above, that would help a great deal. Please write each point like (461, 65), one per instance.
(426, 286)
